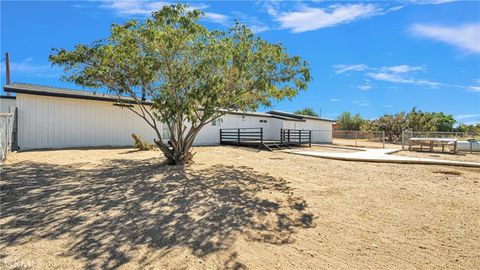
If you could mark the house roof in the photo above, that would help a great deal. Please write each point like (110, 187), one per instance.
(32, 89)
(264, 114)
(299, 116)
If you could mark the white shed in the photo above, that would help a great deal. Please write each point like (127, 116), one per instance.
(62, 118)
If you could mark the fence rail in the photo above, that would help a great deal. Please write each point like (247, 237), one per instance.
(6, 134)
(239, 135)
(296, 136)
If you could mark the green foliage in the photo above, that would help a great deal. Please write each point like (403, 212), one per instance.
(191, 74)
(394, 124)
(474, 128)
(391, 124)
(307, 111)
(346, 121)
(429, 121)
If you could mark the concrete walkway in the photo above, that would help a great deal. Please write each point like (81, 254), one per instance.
(380, 155)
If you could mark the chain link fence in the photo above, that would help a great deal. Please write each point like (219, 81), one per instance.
(6, 134)
(374, 139)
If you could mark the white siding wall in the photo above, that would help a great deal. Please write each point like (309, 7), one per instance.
(211, 134)
(7, 105)
(321, 130)
(52, 122)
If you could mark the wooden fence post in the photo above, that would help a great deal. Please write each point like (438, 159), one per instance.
(238, 137)
(220, 136)
(383, 138)
(261, 135)
(356, 136)
(403, 140)
(309, 138)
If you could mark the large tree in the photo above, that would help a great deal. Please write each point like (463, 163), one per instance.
(177, 72)
(345, 121)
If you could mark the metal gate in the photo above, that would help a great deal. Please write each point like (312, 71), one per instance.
(8, 133)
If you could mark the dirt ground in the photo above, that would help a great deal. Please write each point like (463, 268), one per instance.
(234, 208)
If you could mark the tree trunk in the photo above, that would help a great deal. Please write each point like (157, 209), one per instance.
(179, 156)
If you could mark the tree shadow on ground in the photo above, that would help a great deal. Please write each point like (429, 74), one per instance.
(110, 210)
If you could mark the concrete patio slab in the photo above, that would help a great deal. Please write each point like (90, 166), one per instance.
(380, 155)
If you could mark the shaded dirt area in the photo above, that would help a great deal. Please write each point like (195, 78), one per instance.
(234, 208)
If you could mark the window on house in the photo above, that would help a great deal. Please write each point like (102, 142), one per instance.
(217, 122)
(165, 133)
(263, 121)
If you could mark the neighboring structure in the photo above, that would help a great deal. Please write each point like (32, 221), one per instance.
(63, 118)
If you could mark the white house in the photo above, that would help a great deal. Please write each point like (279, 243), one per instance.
(62, 118)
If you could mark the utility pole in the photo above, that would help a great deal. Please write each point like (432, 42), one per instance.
(7, 70)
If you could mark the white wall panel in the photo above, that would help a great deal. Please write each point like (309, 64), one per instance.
(53, 122)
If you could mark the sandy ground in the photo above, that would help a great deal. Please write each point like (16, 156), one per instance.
(234, 208)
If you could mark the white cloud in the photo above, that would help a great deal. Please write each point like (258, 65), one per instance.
(432, 2)
(344, 68)
(309, 18)
(395, 74)
(475, 87)
(469, 119)
(362, 103)
(389, 77)
(466, 37)
(402, 68)
(145, 8)
(216, 18)
(467, 116)
(256, 25)
(402, 78)
(364, 87)
(128, 8)
(334, 100)
(430, 83)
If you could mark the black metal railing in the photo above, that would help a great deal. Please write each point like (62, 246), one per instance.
(239, 135)
(296, 136)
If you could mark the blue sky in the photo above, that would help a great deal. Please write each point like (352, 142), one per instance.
(366, 57)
